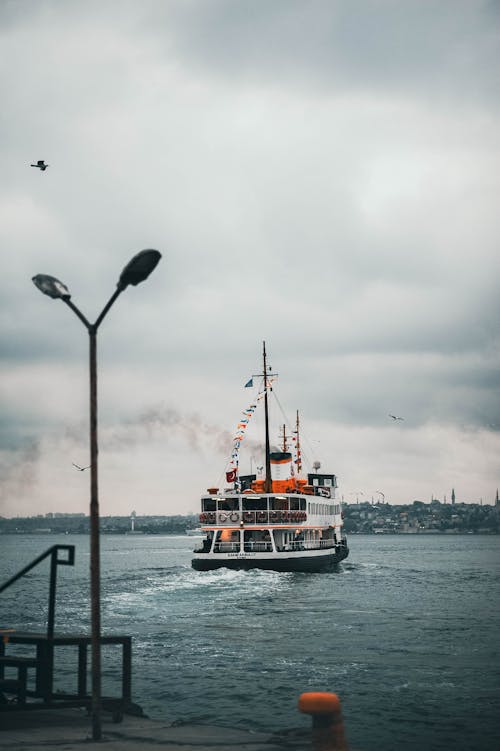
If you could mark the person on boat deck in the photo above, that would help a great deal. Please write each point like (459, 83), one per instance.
(299, 539)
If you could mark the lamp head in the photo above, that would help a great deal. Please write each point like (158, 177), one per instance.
(138, 268)
(51, 286)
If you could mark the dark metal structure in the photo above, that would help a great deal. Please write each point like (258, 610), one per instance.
(33, 686)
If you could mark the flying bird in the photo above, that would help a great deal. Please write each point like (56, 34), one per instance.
(40, 164)
(81, 469)
(395, 417)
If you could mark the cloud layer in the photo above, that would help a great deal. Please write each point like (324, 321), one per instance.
(320, 175)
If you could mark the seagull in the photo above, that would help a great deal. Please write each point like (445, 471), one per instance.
(40, 164)
(81, 469)
(395, 417)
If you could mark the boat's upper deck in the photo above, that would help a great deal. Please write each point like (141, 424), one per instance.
(268, 508)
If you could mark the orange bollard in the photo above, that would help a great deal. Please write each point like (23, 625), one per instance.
(327, 724)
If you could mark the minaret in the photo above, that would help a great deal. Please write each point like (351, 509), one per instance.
(132, 521)
(453, 496)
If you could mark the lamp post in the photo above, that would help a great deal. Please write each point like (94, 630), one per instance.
(136, 271)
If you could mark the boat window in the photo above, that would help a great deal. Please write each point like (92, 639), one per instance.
(281, 504)
(295, 504)
(208, 504)
(254, 503)
(227, 504)
(303, 504)
(207, 543)
(257, 541)
(227, 541)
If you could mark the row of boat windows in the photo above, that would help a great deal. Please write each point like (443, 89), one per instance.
(269, 504)
(264, 540)
(323, 508)
(251, 503)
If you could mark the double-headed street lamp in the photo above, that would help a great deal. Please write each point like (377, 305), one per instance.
(137, 270)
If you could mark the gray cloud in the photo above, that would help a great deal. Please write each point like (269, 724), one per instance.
(436, 48)
(320, 175)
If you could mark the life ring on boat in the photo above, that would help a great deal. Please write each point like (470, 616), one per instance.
(234, 516)
(222, 517)
(203, 518)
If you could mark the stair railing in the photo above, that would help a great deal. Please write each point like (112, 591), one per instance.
(55, 561)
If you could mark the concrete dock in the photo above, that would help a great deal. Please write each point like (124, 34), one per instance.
(70, 730)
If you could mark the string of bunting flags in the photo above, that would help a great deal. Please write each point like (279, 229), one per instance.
(232, 471)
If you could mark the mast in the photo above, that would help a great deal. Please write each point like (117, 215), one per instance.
(297, 445)
(268, 483)
(285, 443)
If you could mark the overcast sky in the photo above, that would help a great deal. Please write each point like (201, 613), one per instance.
(321, 175)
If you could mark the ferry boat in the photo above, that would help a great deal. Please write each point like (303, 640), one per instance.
(280, 521)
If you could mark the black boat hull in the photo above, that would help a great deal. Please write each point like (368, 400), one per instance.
(311, 564)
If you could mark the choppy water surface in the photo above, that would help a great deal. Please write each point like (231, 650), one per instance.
(406, 631)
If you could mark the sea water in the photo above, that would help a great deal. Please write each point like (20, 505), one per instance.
(406, 631)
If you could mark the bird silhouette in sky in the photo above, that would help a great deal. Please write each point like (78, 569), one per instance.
(40, 164)
(395, 417)
(81, 469)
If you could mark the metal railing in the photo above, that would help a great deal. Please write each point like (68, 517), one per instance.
(45, 644)
(55, 561)
(307, 545)
(267, 547)
(258, 547)
(227, 547)
(229, 518)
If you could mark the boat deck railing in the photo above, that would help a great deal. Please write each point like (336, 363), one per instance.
(307, 545)
(267, 547)
(235, 518)
(258, 547)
